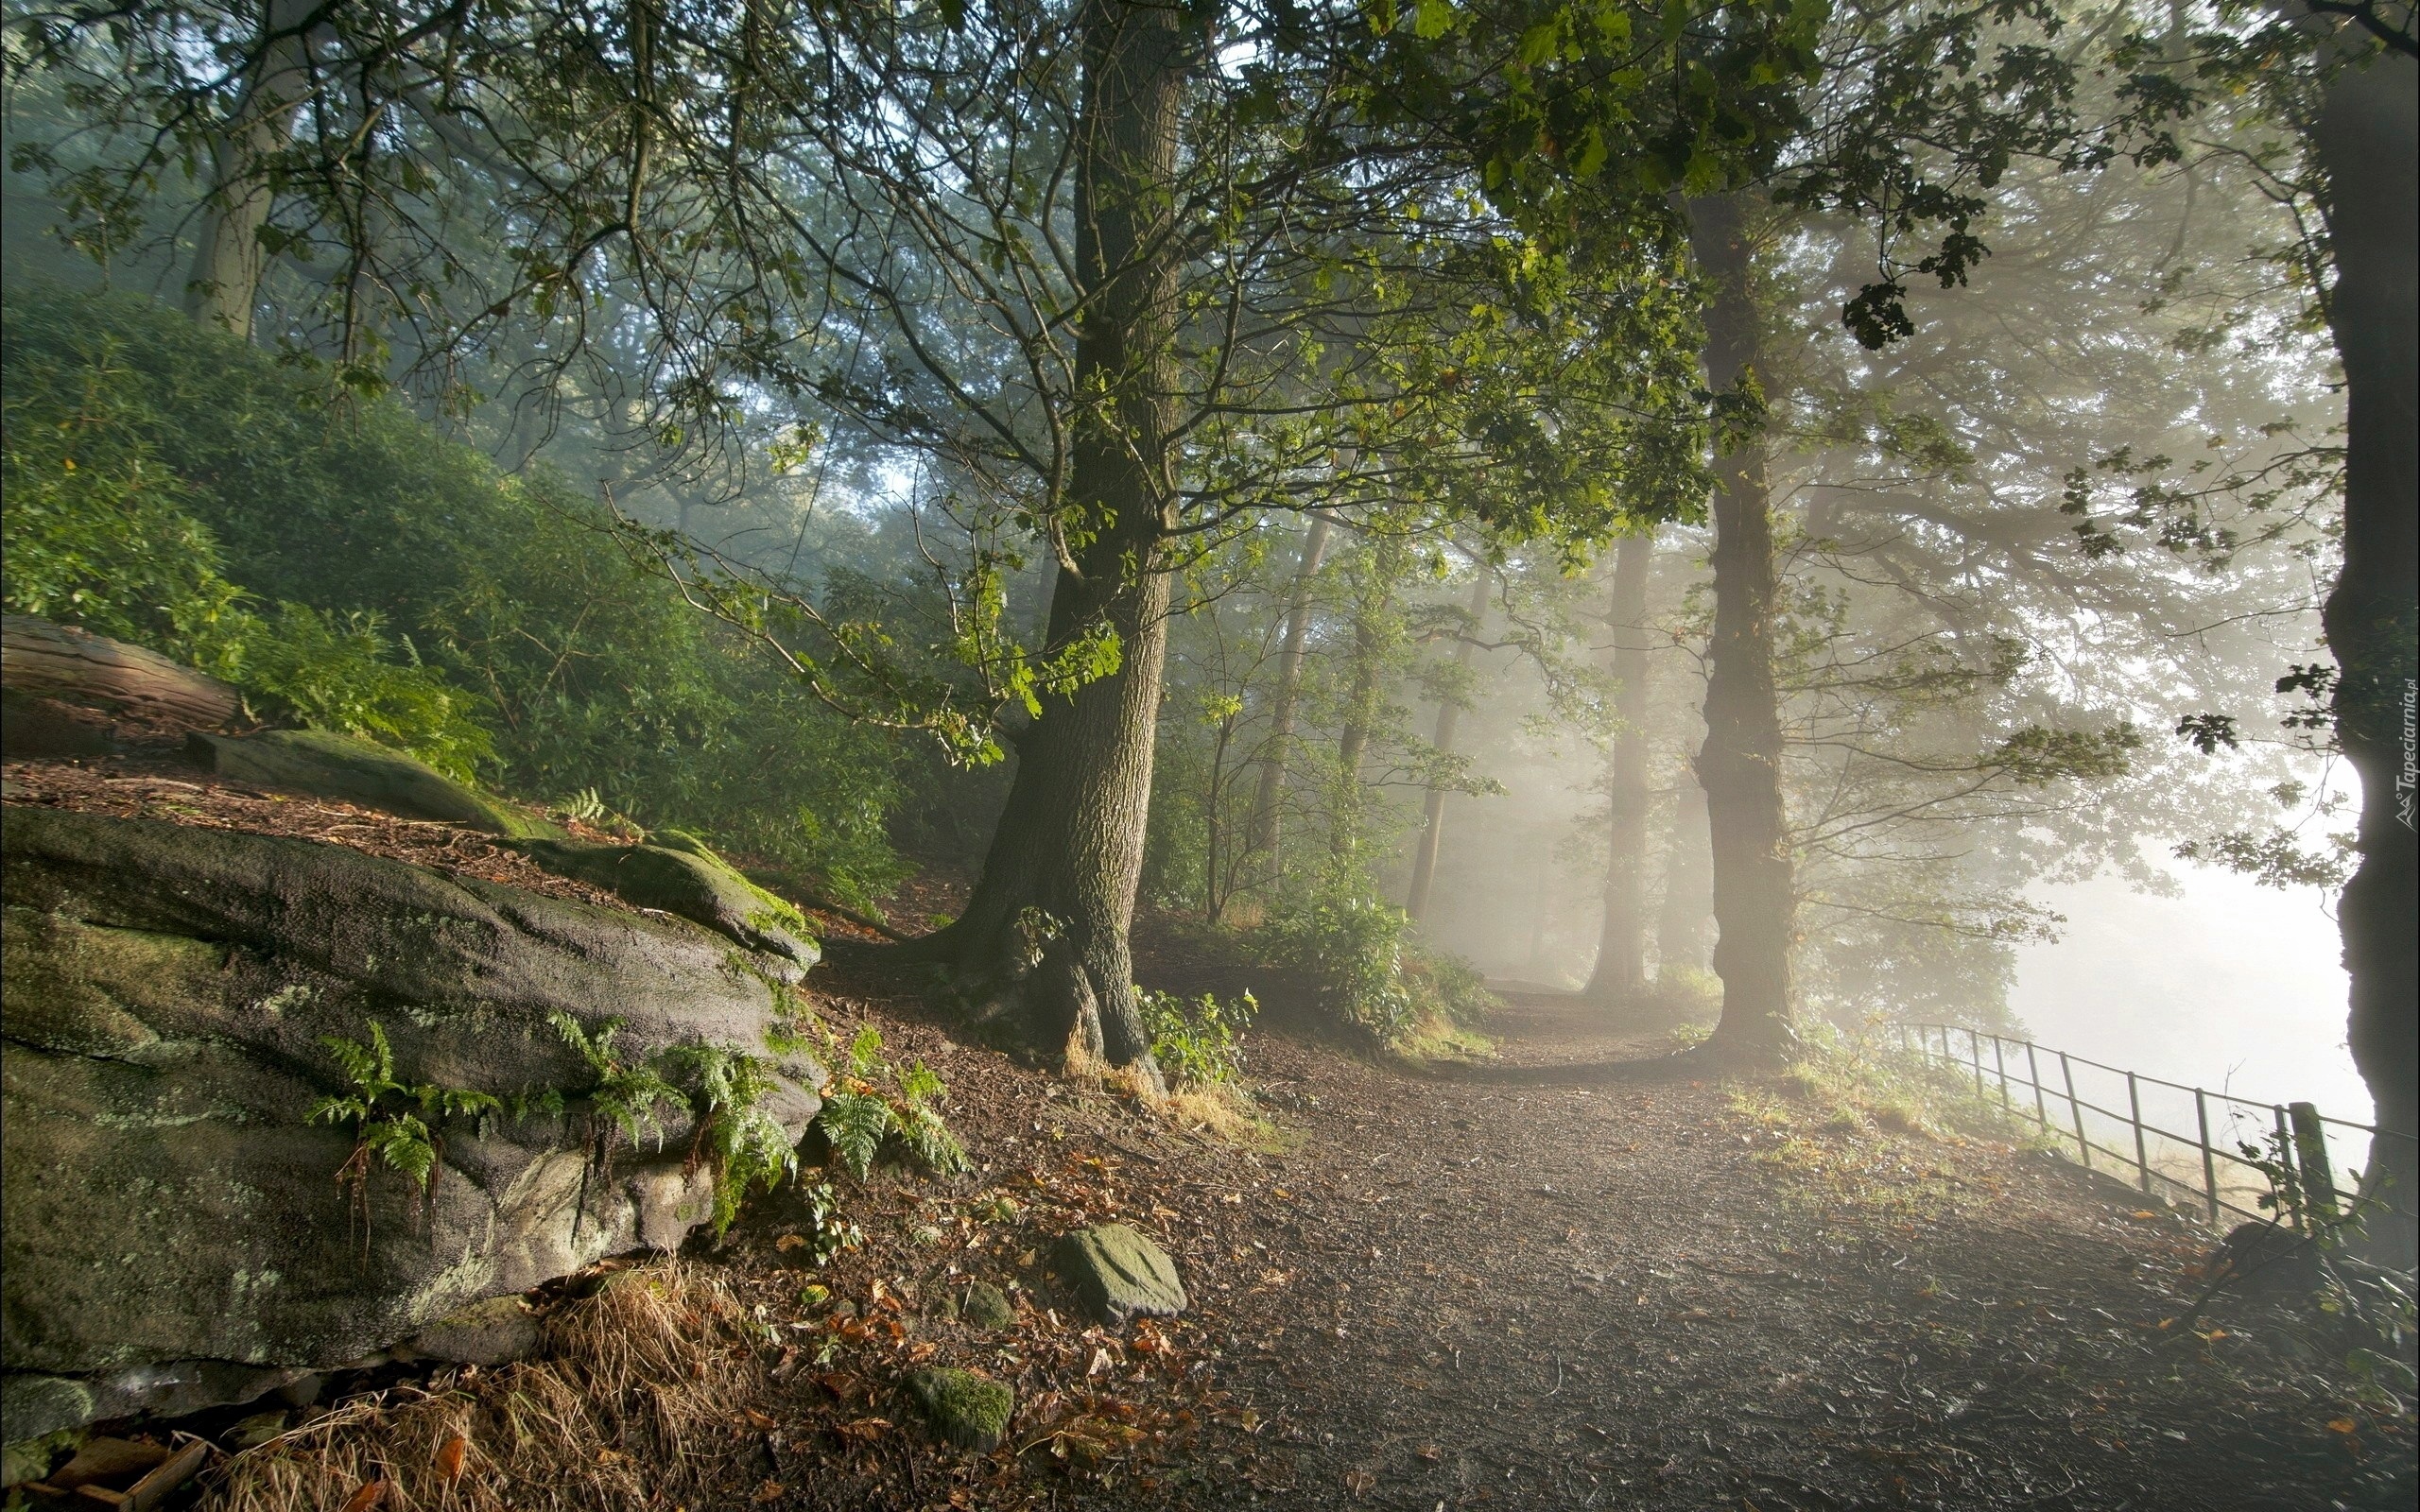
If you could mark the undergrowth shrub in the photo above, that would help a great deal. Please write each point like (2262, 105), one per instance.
(471, 618)
(1362, 958)
(872, 1101)
(1198, 1044)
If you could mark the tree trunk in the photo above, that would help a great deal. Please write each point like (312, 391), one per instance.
(1739, 766)
(227, 257)
(1680, 921)
(1044, 938)
(1449, 715)
(1379, 565)
(1265, 818)
(2368, 142)
(1619, 979)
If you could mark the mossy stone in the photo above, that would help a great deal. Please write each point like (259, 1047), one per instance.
(325, 763)
(1118, 1274)
(965, 1408)
(679, 874)
(987, 1307)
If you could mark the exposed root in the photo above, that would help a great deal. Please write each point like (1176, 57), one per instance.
(624, 1404)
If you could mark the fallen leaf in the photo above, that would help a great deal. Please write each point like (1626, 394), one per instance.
(761, 1422)
(1361, 1483)
(789, 1241)
(770, 1491)
(449, 1457)
(864, 1430)
(370, 1495)
(1427, 1453)
(2142, 1212)
(2340, 1425)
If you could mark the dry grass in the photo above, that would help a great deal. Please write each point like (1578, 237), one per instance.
(632, 1395)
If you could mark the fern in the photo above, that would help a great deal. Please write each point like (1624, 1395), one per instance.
(747, 1145)
(856, 1123)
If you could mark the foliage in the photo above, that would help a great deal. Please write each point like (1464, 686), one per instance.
(1198, 1044)
(419, 598)
(1350, 947)
(631, 1098)
(99, 533)
(397, 1124)
(859, 1114)
(745, 1144)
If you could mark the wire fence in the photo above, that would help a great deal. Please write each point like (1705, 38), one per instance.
(2230, 1154)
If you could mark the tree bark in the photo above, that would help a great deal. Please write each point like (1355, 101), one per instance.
(1449, 717)
(1043, 939)
(227, 256)
(1380, 567)
(1265, 818)
(1619, 979)
(2368, 143)
(1739, 766)
(1680, 921)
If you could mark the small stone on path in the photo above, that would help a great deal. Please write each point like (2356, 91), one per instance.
(965, 1408)
(1118, 1274)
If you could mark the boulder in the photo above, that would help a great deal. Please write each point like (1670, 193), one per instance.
(681, 875)
(495, 1330)
(327, 765)
(174, 1232)
(965, 1409)
(1117, 1274)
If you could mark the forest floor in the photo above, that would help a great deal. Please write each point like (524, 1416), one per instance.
(1457, 1290)
(1534, 1283)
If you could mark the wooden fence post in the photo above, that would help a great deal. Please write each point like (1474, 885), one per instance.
(2310, 1158)
(2075, 1106)
(2210, 1160)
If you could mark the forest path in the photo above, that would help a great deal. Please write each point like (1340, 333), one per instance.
(1692, 1295)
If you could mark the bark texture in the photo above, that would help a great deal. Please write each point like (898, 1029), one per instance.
(227, 257)
(1619, 979)
(1043, 939)
(2369, 144)
(1449, 718)
(1681, 918)
(1739, 766)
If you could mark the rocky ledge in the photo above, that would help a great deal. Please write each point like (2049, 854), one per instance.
(178, 1000)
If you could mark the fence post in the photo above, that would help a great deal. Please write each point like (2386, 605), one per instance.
(2034, 1072)
(2310, 1157)
(1974, 1047)
(2291, 1196)
(1999, 1065)
(2134, 1110)
(2084, 1145)
(2209, 1162)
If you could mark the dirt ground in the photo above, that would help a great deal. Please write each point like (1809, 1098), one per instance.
(1447, 1290)
(1532, 1283)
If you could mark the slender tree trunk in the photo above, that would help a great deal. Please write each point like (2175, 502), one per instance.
(2369, 144)
(1740, 762)
(1044, 938)
(1380, 566)
(1266, 802)
(227, 257)
(1680, 921)
(1619, 979)
(1449, 717)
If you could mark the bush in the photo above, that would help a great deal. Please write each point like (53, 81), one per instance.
(1199, 1043)
(1350, 947)
(417, 597)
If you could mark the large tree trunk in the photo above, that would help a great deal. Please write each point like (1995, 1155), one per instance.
(2369, 144)
(1740, 762)
(1619, 979)
(1689, 896)
(1449, 717)
(227, 257)
(1266, 819)
(1378, 566)
(1043, 939)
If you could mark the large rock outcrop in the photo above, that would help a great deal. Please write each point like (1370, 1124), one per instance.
(175, 1232)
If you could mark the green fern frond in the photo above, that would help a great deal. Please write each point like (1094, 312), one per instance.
(856, 1123)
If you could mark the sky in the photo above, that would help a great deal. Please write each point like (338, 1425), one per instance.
(2232, 987)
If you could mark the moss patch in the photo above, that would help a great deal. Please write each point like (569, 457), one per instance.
(968, 1410)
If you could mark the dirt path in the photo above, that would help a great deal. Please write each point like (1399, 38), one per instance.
(1458, 1294)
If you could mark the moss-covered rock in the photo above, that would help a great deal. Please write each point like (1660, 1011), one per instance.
(170, 1231)
(987, 1307)
(1118, 1274)
(966, 1409)
(327, 765)
(680, 874)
